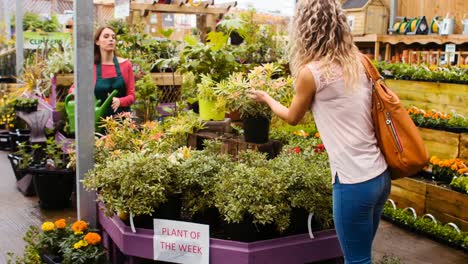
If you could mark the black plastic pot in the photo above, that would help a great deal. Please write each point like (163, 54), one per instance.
(169, 210)
(54, 187)
(246, 231)
(18, 136)
(256, 129)
(5, 139)
(15, 161)
(210, 216)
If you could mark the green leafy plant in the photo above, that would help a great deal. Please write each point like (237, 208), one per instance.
(256, 191)
(198, 173)
(460, 183)
(147, 97)
(236, 90)
(426, 226)
(132, 182)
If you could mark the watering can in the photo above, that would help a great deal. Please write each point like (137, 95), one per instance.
(99, 109)
(446, 25)
(465, 25)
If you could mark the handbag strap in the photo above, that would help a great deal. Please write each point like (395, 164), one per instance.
(371, 71)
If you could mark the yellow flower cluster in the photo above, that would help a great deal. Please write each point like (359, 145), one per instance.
(80, 244)
(48, 226)
(457, 165)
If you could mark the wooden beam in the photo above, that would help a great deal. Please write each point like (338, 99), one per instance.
(228, 5)
(179, 9)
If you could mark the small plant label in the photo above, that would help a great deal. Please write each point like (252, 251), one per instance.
(181, 242)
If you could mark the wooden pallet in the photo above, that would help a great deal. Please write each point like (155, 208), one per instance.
(233, 144)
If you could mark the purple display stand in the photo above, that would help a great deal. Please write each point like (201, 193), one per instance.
(297, 249)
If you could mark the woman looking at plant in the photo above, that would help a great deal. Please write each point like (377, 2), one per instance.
(111, 73)
(332, 82)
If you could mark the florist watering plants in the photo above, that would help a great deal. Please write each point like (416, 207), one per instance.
(331, 81)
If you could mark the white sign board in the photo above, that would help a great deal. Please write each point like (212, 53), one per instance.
(450, 49)
(121, 9)
(181, 242)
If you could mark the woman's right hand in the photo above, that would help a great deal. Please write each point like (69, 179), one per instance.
(258, 96)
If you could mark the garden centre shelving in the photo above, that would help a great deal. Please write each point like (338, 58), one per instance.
(388, 40)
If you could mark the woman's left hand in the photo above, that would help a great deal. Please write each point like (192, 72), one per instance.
(258, 96)
(115, 104)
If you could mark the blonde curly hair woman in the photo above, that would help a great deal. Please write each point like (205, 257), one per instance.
(331, 81)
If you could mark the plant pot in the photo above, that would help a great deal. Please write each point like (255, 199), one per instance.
(18, 136)
(5, 140)
(54, 187)
(246, 231)
(256, 129)
(170, 210)
(208, 111)
(210, 216)
(15, 161)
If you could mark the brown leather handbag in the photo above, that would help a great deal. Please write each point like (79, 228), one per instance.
(398, 137)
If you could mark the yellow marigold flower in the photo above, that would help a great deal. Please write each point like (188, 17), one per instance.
(317, 135)
(79, 226)
(92, 238)
(80, 244)
(60, 224)
(77, 233)
(48, 226)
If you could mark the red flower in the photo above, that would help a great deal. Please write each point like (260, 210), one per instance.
(297, 150)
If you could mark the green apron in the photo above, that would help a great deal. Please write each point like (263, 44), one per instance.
(105, 86)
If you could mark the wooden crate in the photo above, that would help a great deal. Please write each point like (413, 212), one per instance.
(366, 17)
(431, 95)
(233, 145)
(463, 152)
(439, 143)
(409, 192)
(447, 205)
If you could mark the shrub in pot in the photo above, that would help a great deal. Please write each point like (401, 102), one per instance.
(252, 198)
(255, 116)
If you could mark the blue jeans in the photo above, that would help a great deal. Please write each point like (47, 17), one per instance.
(356, 211)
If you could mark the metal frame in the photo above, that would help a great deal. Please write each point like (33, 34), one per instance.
(84, 110)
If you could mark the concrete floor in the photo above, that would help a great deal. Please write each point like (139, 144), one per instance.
(19, 212)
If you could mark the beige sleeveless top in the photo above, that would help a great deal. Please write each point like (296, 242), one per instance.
(345, 124)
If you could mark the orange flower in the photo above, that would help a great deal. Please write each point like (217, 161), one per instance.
(92, 238)
(463, 171)
(317, 135)
(60, 224)
(79, 226)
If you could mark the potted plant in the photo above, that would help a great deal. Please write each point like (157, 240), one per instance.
(256, 117)
(198, 174)
(147, 98)
(252, 199)
(211, 106)
(53, 181)
(59, 242)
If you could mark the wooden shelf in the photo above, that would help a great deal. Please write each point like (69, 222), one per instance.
(416, 39)
(423, 39)
(171, 8)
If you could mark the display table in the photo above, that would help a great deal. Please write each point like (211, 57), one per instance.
(127, 247)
